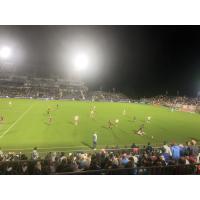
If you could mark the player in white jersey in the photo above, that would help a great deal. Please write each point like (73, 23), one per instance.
(148, 119)
(92, 114)
(124, 112)
(116, 122)
(76, 120)
(140, 131)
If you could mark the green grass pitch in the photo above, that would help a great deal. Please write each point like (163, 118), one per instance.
(26, 124)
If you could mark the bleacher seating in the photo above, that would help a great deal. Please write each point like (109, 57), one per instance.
(52, 88)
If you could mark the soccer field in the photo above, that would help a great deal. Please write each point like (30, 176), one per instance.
(26, 124)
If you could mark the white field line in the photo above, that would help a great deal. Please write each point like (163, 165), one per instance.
(18, 119)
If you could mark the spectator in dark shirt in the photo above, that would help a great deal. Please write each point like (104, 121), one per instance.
(194, 149)
(149, 148)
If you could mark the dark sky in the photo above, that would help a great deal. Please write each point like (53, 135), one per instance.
(137, 60)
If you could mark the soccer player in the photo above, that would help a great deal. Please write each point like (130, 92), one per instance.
(92, 114)
(148, 119)
(142, 126)
(1, 119)
(49, 119)
(76, 120)
(116, 122)
(48, 111)
(124, 112)
(140, 131)
(110, 124)
(94, 141)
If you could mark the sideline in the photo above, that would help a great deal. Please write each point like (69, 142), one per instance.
(18, 119)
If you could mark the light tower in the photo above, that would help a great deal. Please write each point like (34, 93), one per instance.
(5, 53)
(81, 62)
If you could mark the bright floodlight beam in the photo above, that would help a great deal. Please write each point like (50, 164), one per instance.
(81, 62)
(5, 52)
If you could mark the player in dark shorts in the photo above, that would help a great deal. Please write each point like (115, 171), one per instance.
(110, 124)
(1, 119)
(49, 119)
(48, 111)
(140, 131)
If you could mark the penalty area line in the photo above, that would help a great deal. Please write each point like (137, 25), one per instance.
(18, 119)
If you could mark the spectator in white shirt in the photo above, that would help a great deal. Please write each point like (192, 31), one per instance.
(35, 154)
(167, 149)
(94, 140)
(1, 152)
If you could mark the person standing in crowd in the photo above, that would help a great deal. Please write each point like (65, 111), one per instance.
(187, 149)
(1, 152)
(194, 149)
(175, 151)
(149, 148)
(167, 148)
(35, 154)
(94, 140)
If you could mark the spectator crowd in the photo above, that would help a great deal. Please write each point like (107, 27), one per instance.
(172, 100)
(166, 159)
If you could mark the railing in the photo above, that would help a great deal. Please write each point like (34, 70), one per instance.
(179, 169)
(190, 169)
(86, 148)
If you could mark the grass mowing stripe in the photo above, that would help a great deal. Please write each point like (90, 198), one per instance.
(18, 119)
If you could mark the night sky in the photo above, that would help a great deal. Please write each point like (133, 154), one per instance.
(136, 60)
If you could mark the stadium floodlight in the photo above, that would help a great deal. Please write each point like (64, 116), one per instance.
(81, 62)
(5, 52)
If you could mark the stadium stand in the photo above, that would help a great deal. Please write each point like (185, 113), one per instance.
(17, 86)
(185, 104)
(107, 96)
